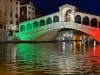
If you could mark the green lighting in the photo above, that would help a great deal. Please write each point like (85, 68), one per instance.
(28, 54)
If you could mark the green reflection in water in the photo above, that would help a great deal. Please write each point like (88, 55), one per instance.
(28, 55)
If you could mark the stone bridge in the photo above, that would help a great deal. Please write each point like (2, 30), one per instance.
(68, 16)
(48, 32)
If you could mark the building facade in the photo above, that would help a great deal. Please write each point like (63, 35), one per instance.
(27, 11)
(37, 13)
(3, 21)
(13, 14)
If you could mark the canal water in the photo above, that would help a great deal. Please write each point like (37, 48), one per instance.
(65, 58)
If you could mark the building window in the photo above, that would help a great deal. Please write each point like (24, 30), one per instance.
(16, 9)
(16, 15)
(29, 13)
(22, 13)
(11, 14)
(11, 22)
(16, 22)
(1, 26)
(29, 7)
(33, 13)
(16, 2)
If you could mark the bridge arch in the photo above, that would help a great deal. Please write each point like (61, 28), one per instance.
(55, 27)
(55, 19)
(29, 26)
(22, 28)
(48, 20)
(68, 15)
(42, 22)
(44, 36)
(35, 24)
(85, 20)
(78, 19)
(94, 22)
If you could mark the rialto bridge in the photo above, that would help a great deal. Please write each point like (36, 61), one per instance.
(68, 16)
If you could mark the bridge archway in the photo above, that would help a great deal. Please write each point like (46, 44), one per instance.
(22, 28)
(35, 24)
(55, 19)
(68, 15)
(52, 35)
(85, 20)
(78, 19)
(71, 34)
(48, 20)
(42, 22)
(94, 22)
(29, 26)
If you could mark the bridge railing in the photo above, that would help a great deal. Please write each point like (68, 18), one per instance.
(58, 24)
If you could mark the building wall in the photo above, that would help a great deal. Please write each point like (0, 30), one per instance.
(23, 13)
(37, 13)
(30, 12)
(2, 11)
(27, 12)
(13, 14)
(31, 9)
(2, 20)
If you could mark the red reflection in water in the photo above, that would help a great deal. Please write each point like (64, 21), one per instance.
(95, 51)
(94, 55)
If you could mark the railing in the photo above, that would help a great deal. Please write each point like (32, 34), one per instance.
(61, 24)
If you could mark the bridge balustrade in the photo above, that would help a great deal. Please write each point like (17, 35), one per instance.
(42, 29)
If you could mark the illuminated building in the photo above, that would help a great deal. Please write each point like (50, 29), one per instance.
(27, 11)
(12, 15)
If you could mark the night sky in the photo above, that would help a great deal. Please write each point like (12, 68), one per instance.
(50, 6)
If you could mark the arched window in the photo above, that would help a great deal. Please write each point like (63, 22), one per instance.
(68, 15)
(29, 26)
(78, 19)
(85, 20)
(35, 24)
(49, 21)
(55, 19)
(22, 28)
(94, 22)
(42, 22)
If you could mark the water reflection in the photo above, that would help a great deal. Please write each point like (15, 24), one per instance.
(65, 58)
